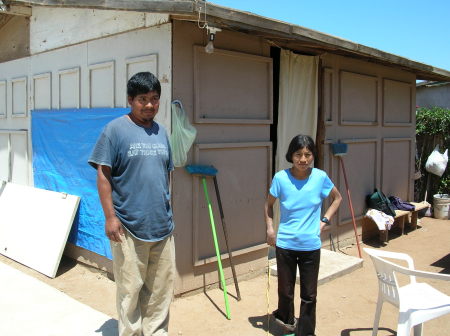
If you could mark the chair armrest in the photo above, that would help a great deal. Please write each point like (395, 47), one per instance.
(422, 274)
(391, 255)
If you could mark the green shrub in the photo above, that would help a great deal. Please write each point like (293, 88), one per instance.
(433, 121)
(432, 128)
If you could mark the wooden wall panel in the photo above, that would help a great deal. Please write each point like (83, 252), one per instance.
(101, 84)
(4, 156)
(358, 99)
(327, 96)
(374, 106)
(232, 87)
(42, 91)
(69, 88)
(361, 177)
(397, 103)
(142, 63)
(34, 225)
(3, 105)
(19, 158)
(19, 97)
(397, 167)
(241, 190)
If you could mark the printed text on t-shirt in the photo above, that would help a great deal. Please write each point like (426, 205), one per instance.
(146, 149)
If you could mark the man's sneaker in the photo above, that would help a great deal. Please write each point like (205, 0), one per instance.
(287, 326)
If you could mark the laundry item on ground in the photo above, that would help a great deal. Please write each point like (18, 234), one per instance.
(383, 221)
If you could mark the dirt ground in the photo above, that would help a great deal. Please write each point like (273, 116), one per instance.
(346, 305)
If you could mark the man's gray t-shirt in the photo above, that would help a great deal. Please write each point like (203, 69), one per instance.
(140, 160)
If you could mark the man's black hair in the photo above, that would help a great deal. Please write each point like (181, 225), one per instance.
(299, 142)
(142, 83)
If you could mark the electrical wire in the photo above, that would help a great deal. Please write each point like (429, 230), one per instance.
(205, 23)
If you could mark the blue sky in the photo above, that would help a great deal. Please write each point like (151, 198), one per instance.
(418, 30)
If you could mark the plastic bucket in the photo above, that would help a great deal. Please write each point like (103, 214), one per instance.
(441, 206)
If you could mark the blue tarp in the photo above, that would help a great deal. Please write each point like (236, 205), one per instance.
(62, 143)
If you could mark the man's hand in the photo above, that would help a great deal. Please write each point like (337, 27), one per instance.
(113, 229)
(271, 237)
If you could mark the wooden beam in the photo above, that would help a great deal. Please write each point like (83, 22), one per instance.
(17, 10)
(156, 6)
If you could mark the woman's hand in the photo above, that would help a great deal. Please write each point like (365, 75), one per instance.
(322, 225)
(271, 237)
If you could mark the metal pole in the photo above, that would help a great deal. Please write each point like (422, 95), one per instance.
(216, 245)
(224, 227)
(351, 206)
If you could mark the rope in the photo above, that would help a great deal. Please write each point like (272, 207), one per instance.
(268, 296)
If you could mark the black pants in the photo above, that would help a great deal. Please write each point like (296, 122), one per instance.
(308, 263)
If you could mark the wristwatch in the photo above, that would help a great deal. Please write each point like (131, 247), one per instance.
(325, 220)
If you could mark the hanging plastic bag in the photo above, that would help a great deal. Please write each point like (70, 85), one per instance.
(182, 136)
(437, 162)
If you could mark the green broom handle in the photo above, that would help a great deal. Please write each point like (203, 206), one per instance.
(216, 245)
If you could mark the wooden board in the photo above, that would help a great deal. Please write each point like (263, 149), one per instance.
(35, 225)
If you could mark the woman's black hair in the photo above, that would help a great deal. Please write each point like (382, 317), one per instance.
(142, 83)
(299, 142)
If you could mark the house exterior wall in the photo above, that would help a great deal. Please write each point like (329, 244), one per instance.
(227, 96)
(86, 75)
(433, 96)
(89, 74)
(368, 106)
(372, 109)
(53, 28)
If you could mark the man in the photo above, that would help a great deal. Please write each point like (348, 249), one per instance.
(133, 161)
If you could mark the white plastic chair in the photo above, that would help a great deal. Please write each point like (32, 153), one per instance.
(417, 302)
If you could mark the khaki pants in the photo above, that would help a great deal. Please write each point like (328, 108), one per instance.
(144, 273)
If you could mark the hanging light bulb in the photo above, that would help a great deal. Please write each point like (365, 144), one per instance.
(209, 48)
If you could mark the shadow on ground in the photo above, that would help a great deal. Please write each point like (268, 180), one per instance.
(109, 328)
(261, 322)
(356, 331)
(443, 263)
(65, 265)
(393, 234)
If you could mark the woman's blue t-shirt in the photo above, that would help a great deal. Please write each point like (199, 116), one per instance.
(300, 208)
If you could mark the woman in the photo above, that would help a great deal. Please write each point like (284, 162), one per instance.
(301, 191)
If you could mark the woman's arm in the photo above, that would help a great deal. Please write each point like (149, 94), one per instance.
(336, 201)
(268, 213)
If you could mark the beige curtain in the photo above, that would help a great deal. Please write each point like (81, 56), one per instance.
(298, 106)
(297, 111)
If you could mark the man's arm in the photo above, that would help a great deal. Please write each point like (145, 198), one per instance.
(113, 226)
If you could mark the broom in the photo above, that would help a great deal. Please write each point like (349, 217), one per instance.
(211, 171)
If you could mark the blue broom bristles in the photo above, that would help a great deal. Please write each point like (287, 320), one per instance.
(339, 149)
(201, 170)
